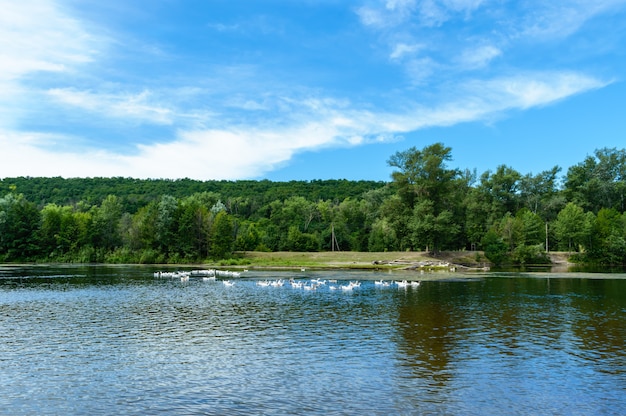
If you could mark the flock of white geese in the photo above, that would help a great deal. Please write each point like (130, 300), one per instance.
(206, 274)
(311, 284)
(332, 284)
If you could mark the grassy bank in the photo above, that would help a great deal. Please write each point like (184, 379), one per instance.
(352, 260)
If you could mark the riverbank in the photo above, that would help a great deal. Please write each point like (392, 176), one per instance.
(452, 260)
(361, 260)
(395, 260)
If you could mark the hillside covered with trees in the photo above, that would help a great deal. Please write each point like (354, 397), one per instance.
(426, 206)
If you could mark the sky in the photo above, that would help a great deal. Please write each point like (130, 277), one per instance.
(306, 89)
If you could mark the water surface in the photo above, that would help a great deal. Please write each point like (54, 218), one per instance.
(116, 340)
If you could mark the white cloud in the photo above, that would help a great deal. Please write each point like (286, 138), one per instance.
(234, 153)
(524, 91)
(480, 100)
(371, 17)
(476, 101)
(34, 150)
(403, 8)
(402, 49)
(241, 152)
(35, 36)
(561, 18)
(273, 123)
(129, 106)
(478, 57)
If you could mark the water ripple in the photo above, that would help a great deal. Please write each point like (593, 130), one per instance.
(123, 343)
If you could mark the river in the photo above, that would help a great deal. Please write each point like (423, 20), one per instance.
(102, 340)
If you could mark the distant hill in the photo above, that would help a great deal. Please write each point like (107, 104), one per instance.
(138, 192)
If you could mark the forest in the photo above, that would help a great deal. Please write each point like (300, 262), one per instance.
(511, 217)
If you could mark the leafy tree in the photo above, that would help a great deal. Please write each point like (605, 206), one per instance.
(352, 216)
(50, 229)
(299, 241)
(502, 188)
(430, 230)
(222, 238)
(599, 181)
(609, 223)
(143, 233)
(495, 248)
(19, 228)
(539, 193)
(193, 226)
(106, 223)
(426, 187)
(570, 226)
(397, 215)
(248, 237)
(533, 228)
(383, 237)
(167, 224)
(424, 175)
(478, 215)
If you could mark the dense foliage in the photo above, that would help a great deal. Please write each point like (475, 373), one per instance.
(426, 206)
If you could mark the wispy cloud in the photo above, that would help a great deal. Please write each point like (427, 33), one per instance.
(478, 57)
(138, 106)
(560, 19)
(35, 36)
(401, 50)
(483, 100)
(527, 90)
(469, 34)
(246, 151)
(230, 120)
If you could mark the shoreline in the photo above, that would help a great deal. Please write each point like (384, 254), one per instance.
(452, 261)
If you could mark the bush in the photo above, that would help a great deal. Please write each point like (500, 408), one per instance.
(534, 254)
(495, 249)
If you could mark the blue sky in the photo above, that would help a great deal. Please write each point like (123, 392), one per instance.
(304, 89)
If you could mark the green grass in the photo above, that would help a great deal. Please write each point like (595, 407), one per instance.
(336, 259)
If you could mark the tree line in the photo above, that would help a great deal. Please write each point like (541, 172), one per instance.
(426, 206)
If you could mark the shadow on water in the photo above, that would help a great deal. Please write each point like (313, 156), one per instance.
(72, 274)
(558, 269)
(117, 338)
(512, 336)
(428, 327)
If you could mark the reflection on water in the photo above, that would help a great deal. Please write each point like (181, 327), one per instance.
(104, 340)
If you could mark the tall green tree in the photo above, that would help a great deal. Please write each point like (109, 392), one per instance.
(426, 187)
(599, 181)
(193, 227)
(106, 223)
(222, 236)
(539, 193)
(570, 226)
(19, 228)
(167, 224)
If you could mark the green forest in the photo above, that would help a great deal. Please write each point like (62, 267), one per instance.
(514, 218)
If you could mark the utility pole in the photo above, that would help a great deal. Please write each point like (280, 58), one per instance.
(333, 241)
